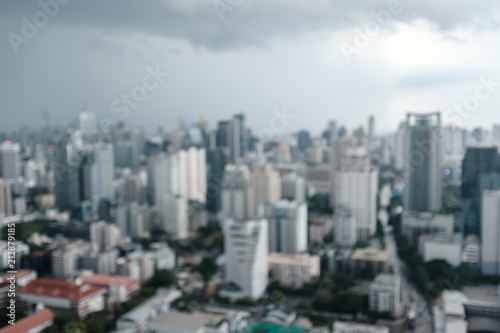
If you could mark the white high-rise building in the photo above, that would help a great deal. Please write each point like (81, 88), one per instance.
(356, 187)
(102, 172)
(266, 187)
(174, 215)
(5, 198)
(10, 163)
(237, 192)
(293, 187)
(399, 147)
(164, 176)
(490, 233)
(385, 294)
(193, 174)
(287, 226)
(345, 227)
(246, 248)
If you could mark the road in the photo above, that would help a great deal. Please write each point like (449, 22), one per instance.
(410, 295)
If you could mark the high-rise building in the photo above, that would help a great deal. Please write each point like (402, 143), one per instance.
(304, 140)
(5, 198)
(129, 147)
(10, 163)
(496, 135)
(174, 215)
(490, 233)
(355, 187)
(293, 187)
(67, 165)
(246, 248)
(266, 186)
(217, 160)
(423, 166)
(371, 127)
(238, 137)
(346, 230)
(480, 167)
(399, 147)
(237, 192)
(98, 173)
(287, 226)
(164, 176)
(193, 174)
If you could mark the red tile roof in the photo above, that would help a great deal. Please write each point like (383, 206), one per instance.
(30, 322)
(60, 289)
(108, 280)
(20, 274)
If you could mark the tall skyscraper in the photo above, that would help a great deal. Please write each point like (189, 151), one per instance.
(129, 147)
(422, 169)
(101, 172)
(10, 163)
(490, 234)
(174, 215)
(67, 164)
(5, 198)
(479, 168)
(238, 137)
(356, 188)
(246, 249)
(304, 140)
(287, 226)
(496, 135)
(217, 161)
(266, 187)
(193, 174)
(164, 176)
(237, 192)
(371, 127)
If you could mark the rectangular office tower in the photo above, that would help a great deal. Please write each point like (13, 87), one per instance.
(287, 226)
(422, 162)
(490, 216)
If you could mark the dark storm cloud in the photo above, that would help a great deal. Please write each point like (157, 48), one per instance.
(251, 22)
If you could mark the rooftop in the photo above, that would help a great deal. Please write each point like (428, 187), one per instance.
(28, 323)
(60, 289)
(108, 280)
(370, 253)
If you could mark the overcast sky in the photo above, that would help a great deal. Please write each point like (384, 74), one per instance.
(251, 56)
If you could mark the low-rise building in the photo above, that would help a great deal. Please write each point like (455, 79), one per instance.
(441, 246)
(120, 288)
(415, 224)
(369, 259)
(34, 323)
(63, 295)
(344, 327)
(385, 294)
(138, 318)
(195, 322)
(293, 270)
